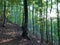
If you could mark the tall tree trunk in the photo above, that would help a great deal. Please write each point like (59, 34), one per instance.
(51, 32)
(41, 27)
(4, 20)
(58, 24)
(33, 18)
(51, 6)
(24, 27)
(46, 21)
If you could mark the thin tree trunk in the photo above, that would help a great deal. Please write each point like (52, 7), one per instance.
(46, 21)
(24, 27)
(33, 18)
(51, 33)
(4, 20)
(58, 24)
(41, 29)
(51, 6)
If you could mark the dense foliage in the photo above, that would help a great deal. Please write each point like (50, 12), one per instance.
(43, 17)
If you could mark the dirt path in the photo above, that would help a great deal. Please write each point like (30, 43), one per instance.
(8, 36)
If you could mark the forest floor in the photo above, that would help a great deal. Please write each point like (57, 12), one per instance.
(9, 33)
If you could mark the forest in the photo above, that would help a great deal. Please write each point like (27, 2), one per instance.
(30, 18)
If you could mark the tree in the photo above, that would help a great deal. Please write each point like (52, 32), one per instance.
(58, 23)
(25, 24)
(4, 20)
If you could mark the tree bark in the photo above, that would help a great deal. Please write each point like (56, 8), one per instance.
(25, 24)
(58, 24)
(4, 20)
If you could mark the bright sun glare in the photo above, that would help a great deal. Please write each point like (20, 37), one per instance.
(53, 12)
